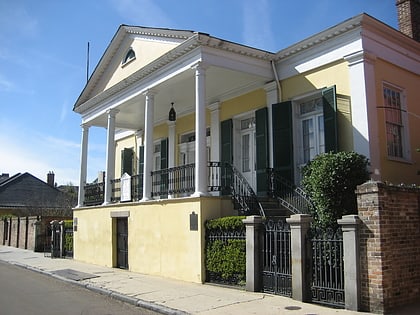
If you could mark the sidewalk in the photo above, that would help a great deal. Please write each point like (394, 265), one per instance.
(162, 295)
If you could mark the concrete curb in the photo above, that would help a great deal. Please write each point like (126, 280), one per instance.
(112, 294)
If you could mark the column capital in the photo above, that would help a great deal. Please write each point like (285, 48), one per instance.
(85, 126)
(150, 92)
(270, 86)
(170, 123)
(139, 133)
(112, 112)
(214, 106)
(200, 67)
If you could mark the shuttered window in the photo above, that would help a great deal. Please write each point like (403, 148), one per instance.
(283, 139)
(330, 119)
(261, 139)
(127, 161)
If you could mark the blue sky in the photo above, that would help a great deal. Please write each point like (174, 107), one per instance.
(43, 61)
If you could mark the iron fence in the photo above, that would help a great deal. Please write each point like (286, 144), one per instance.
(136, 187)
(219, 243)
(327, 284)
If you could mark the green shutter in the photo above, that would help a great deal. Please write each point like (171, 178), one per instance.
(226, 139)
(261, 139)
(164, 154)
(330, 119)
(127, 161)
(283, 140)
(141, 160)
(140, 172)
(164, 165)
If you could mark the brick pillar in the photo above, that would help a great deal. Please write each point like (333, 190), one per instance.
(349, 225)
(254, 243)
(299, 226)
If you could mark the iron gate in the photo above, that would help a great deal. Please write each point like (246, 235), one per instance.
(277, 273)
(327, 285)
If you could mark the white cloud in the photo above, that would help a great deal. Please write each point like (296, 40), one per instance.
(142, 12)
(257, 30)
(15, 19)
(6, 85)
(25, 150)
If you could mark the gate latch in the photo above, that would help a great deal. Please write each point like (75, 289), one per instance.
(274, 260)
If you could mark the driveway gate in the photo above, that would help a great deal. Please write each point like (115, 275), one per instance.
(277, 277)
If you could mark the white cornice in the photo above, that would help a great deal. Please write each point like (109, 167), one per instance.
(320, 38)
(197, 40)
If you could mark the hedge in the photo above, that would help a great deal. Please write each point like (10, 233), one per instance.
(226, 250)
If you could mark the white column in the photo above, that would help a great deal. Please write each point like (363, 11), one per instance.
(272, 97)
(139, 142)
(110, 154)
(363, 109)
(214, 173)
(215, 132)
(171, 144)
(83, 165)
(148, 144)
(200, 132)
(171, 153)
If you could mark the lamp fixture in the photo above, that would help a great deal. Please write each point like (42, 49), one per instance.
(172, 113)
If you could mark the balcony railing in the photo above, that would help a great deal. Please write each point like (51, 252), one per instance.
(175, 182)
(136, 188)
(94, 194)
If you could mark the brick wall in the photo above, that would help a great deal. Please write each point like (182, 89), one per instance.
(409, 17)
(19, 232)
(389, 246)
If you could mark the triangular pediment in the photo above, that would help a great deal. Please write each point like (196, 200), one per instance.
(131, 48)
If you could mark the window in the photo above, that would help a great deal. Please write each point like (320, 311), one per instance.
(129, 56)
(394, 122)
(312, 129)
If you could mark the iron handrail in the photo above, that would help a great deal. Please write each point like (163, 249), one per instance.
(243, 193)
(289, 195)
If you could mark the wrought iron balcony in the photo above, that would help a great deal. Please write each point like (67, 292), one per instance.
(175, 182)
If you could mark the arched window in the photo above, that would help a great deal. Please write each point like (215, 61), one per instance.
(130, 55)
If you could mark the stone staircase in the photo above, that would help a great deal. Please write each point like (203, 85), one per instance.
(273, 209)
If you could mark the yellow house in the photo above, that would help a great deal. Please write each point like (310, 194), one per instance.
(194, 122)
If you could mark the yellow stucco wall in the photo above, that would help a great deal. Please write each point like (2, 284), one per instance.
(329, 75)
(242, 104)
(397, 171)
(146, 51)
(128, 142)
(332, 74)
(160, 241)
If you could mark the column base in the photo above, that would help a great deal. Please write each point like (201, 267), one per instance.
(200, 194)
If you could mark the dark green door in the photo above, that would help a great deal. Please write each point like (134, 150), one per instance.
(122, 243)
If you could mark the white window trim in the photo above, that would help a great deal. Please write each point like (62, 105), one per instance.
(297, 132)
(406, 151)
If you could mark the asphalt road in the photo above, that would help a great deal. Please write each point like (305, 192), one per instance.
(24, 291)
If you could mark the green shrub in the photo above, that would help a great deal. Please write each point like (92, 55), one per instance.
(225, 256)
(330, 180)
(228, 259)
(226, 223)
(68, 238)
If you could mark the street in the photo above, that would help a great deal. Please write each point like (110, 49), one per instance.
(24, 291)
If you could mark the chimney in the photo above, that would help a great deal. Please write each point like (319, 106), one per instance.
(3, 177)
(50, 178)
(409, 18)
